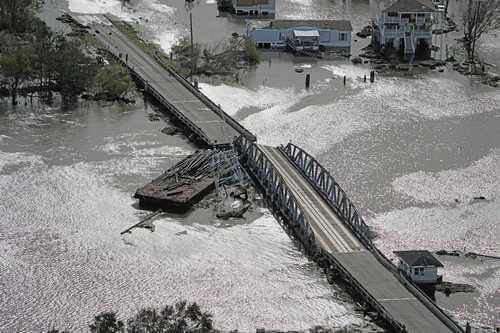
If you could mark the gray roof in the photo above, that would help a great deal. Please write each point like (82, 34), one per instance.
(418, 258)
(252, 2)
(409, 6)
(339, 25)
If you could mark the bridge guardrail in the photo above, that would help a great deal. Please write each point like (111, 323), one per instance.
(273, 184)
(316, 174)
(208, 102)
(422, 297)
(277, 189)
(330, 190)
(151, 90)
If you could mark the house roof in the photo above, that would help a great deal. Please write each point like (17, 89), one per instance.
(306, 33)
(339, 25)
(409, 6)
(418, 258)
(252, 2)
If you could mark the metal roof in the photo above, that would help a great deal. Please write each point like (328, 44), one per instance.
(339, 25)
(418, 258)
(252, 2)
(305, 33)
(410, 6)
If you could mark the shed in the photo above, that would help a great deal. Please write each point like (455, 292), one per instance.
(420, 266)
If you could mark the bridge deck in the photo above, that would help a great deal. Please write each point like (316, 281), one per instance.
(336, 239)
(210, 123)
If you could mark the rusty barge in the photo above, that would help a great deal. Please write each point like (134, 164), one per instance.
(181, 186)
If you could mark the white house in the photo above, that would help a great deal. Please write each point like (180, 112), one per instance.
(419, 266)
(406, 26)
(262, 9)
(301, 35)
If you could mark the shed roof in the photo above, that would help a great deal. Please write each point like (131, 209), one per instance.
(409, 6)
(339, 25)
(252, 2)
(418, 258)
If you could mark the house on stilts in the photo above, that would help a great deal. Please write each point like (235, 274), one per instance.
(406, 27)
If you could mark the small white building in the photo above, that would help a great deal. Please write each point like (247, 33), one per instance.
(420, 266)
(303, 35)
(262, 9)
(406, 26)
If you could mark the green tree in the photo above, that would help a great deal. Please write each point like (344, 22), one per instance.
(71, 70)
(113, 81)
(183, 317)
(16, 68)
(107, 322)
(15, 15)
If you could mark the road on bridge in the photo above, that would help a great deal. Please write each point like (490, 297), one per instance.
(211, 123)
(335, 238)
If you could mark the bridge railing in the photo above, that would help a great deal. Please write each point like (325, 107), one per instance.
(208, 102)
(275, 187)
(326, 185)
(162, 100)
(279, 193)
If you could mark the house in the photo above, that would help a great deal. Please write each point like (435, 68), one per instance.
(303, 35)
(262, 9)
(419, 266)
(406, 26)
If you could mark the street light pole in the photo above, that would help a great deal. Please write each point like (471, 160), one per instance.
(192, 42)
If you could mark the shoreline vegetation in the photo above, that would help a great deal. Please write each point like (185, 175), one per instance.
(37, 62)
(224, 60)
(182, 317)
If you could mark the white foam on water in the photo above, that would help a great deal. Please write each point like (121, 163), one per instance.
(467, 226)
(153, 16)
(330, 124)
(95, 6)
(167, 39)
(482, 178)
(233, 99)
(18, 159)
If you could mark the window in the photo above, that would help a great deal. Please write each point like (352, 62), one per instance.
(418, 271)
(342, 36)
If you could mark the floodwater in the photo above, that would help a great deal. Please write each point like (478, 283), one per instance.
(412, 152)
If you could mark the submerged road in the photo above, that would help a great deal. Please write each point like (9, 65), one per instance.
(334, 237)
(213, 124)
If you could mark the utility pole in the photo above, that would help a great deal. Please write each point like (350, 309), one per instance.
(192, 42)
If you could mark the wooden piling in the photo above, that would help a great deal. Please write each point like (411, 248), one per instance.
(308, 80)
(372, 76)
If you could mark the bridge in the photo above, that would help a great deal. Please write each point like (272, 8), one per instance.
(329, 226)
(205, 119)
(300, 191)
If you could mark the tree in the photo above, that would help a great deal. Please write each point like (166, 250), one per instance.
(72, 70)
(479, 17)
(183, 317)
(113, 81)
(15, 15)
(16, 68)
(107, 322)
